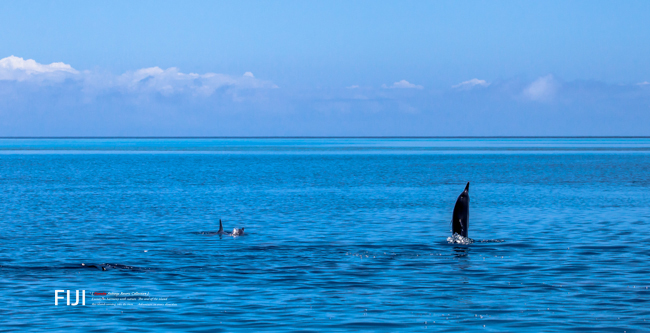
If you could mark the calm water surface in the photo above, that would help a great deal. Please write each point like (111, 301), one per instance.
(342, 234)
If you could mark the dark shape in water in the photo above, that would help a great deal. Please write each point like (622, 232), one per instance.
(107, 266)
(460, 218)
(235, 232)
(461, 252)
(221, 232)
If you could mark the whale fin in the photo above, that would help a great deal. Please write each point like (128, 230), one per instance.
(460, 217)
(220, 226)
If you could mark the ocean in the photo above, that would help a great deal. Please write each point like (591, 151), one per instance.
(341, 234)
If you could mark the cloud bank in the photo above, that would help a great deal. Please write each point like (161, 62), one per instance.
(172, 81)
(167, 82)
(59, 100)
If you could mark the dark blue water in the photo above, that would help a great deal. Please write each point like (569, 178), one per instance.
(342, 234)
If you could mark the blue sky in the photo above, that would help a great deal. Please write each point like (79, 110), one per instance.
(324, 68)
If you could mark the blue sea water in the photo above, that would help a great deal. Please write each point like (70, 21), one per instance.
(341, 234)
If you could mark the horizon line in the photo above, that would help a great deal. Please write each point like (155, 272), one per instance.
(333, 137)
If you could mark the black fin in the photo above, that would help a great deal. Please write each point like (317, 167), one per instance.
(467, 187)
(220, 226)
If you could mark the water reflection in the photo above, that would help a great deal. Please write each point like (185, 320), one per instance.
(461, 251)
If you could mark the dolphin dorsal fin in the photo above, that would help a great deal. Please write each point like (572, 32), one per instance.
(220, 226)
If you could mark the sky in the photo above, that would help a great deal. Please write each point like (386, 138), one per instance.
(329, 68)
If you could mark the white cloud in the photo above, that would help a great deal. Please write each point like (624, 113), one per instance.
(469, 84)
(403, 84)
(542, 89)
(644, 83)
(353, 87)
(146, 80)
(171, 81)
(14, 68)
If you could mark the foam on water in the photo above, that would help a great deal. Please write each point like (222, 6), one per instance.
(458, 239)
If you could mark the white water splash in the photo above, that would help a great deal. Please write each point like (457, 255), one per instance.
(458, 239)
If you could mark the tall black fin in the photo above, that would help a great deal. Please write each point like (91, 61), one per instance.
(220, 226)
(460, 218)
